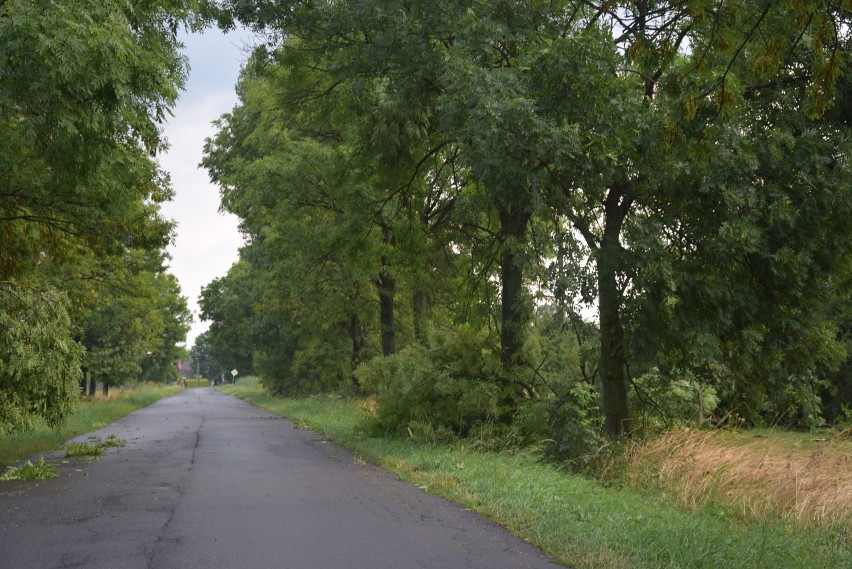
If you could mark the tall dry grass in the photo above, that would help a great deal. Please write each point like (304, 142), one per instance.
(799, 478)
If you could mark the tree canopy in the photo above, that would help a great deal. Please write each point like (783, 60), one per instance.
(86, 86)
(680, 168)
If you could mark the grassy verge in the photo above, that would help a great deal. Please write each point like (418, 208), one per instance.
(577, 521)
(90, 415)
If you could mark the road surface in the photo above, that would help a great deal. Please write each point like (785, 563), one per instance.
(209, 481)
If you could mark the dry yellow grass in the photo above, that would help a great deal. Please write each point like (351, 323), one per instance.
(369, 405)
(803, 479)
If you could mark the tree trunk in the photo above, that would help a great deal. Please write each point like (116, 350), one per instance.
(93, 386)
(613, 357)
(613, 386)
(387, 292)
(513, 228)
(418, 311)
(105, 390)
(386, 286)
(357, 339)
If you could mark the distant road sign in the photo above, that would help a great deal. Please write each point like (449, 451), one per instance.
(234, 372)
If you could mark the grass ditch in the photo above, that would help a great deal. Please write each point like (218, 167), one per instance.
(578, 521)
(91, 414)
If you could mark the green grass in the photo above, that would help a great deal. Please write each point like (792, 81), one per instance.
(83, 449)
(197, 382)
(90, 415)
(93, 448)
(577, 521)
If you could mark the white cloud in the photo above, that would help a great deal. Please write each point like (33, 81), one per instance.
(207, 242)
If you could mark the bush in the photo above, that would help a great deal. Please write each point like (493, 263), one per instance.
(39, 359)
(455, 390)
(294, 364)
(566, 427)
(433, 394)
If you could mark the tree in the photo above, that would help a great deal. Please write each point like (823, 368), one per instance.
(168, 322)
(202, 361)
(85, 88)
(639, 129)
(340, 236)
(227, 304)
(134, 331)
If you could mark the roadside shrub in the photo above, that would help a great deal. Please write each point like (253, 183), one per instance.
(566, 427)
(39, 360)
(432, 394)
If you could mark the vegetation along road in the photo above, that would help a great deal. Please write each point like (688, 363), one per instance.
(206, 480)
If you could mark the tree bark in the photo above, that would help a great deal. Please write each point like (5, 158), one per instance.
(387, 292)
(513, 228)
(105, 390)
(613, 356)
(613, 385)
(93, 386)
(357, 339)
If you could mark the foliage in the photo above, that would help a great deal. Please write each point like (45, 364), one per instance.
(681, 167)
(202, 360)
(93, 446)
(167, 323)
(564, 427)
(229, 339)
(83, 449)
(133, 332)
(40, 470)
(432, 393)
(39, 363)
(86, 87)
(674, 398)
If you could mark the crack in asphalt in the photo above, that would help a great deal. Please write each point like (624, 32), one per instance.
(160, 542)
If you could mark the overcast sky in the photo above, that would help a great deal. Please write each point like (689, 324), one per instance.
(207, 241)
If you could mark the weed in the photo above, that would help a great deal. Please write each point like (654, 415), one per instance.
(83, 449)
(40, 470)
(113, 441)
(93, 448)
(86, 459)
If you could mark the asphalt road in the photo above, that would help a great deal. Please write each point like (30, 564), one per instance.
(208, 481)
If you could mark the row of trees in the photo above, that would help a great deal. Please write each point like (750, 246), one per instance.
(434, 194)
(84, 292)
